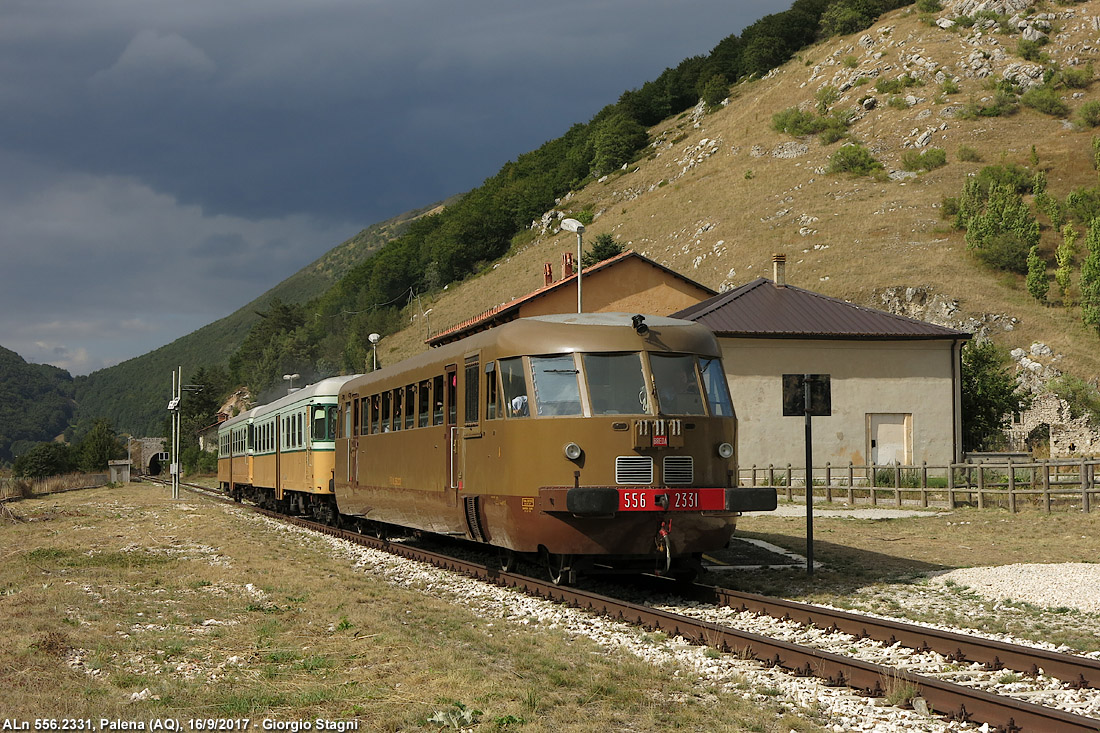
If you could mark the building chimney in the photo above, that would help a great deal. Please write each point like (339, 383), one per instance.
(779, 269)
(547, 274)
(566, 265)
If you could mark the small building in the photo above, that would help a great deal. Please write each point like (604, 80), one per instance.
(895, 381)
(626, 283)
(119, 471)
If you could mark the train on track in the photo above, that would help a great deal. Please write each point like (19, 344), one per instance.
(595, 442)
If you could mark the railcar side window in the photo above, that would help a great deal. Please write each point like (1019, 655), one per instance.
(319, 430)
(554, 382)
(397, 408)
(437, 400)
(677, 385)
(616, 384)
(410, 406)
(386, 399)
(514, 383)
(491, 391)
(375, 414)
(347, 420)
(717, 389)
(425, 403)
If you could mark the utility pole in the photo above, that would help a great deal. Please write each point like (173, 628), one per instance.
(174, 408)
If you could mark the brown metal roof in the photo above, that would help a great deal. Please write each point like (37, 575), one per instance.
(762, 309)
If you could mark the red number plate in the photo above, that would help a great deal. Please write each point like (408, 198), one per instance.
(672, 500)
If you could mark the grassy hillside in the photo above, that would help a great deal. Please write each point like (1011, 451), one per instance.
(133, 394)
(716, 194)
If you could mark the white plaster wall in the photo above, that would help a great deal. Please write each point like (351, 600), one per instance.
(914, 377)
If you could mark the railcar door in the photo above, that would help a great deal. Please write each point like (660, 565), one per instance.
(450, 422)
(279, 432)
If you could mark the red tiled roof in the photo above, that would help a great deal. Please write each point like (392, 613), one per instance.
(510, 311)
(761, 309)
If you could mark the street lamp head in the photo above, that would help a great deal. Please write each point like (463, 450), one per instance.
(374, 338)
(572, 225)
(290, 377)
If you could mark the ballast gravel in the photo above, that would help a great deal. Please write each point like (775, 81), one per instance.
(839, 708)
(1065, 585)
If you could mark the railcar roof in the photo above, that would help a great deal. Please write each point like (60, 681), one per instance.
(557, 334)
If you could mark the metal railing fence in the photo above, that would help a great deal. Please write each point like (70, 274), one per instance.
(1008, 482)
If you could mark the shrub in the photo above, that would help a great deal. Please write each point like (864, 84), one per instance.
(895, 86)
(1082, 397)
(896, 102)
(1030, 50)
(1046, 100)
(1064, 255)
(929, 6)
(1076, 78)
(950, 86)
(1001, 231)
(1084, 204)
(1002, 104)
(927, 160)
(968, 154)
(836, 128)
(853, 158)
(1089, 113)
(850, 62)
(794, 121)
(825, 97)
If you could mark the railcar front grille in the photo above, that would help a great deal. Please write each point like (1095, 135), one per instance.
(634, 470)
(678, 470)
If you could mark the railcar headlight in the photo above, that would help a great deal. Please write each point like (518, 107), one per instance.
(725, 450)
(572, 451)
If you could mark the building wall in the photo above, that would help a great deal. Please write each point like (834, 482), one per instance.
(909, 378)
(630, 286)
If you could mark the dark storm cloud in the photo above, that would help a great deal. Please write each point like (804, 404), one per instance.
(225, 145)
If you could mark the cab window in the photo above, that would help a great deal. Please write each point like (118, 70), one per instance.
(616, 385)
(677, 385)
(555, 385)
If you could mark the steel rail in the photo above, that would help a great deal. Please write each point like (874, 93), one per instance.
(957, 702)
(1075, 670)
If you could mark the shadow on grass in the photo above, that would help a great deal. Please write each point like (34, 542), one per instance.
(843, 569)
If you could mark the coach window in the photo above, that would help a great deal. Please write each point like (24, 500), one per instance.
(425, 404)
(452, 394)
(300, 432)
(513, 380)
(410, 406)
(351, 416)
(491, 391)
(397, 408)
(387, 398)
(375, 413)
(554, 383)
(471, 383)
(437, 400)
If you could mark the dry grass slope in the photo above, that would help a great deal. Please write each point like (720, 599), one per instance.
(717, 194)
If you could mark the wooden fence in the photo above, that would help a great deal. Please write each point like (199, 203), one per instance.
(1005, 482)
(11, 488)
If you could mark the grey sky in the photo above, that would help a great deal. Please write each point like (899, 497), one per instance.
(224, 145)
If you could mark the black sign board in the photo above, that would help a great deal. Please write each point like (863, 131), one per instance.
(794, 397)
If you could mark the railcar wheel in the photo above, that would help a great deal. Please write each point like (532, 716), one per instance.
(560, 567)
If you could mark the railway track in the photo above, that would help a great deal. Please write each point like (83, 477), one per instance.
(956, 702)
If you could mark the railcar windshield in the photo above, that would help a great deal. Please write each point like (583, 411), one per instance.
(616, 384)
(716, 387)
(677, 383)
(556, 388)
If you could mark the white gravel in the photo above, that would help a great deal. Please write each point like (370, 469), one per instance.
(1064, 585)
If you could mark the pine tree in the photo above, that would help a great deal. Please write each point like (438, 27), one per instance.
(1090, 278)
(1038, 282)
(1064, 255)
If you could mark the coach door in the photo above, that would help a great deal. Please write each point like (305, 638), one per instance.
(279, 432)
(450, 420)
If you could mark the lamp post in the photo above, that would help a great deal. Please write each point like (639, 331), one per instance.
(290, 378)
(572, 225)
(374, 338)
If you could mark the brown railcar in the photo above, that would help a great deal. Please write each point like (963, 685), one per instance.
(591, 439)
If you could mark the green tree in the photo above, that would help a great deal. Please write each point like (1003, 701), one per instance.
(1064, 255)
(1038, 282)
(1090, 278)
(603, 247)
(45, 459)
(615, 141)
(1003, 231)
(714, 91)
(990, 395)
(99, 446)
